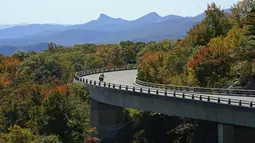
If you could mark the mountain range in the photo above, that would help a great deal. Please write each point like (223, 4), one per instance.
(104, 30)
(3, 26)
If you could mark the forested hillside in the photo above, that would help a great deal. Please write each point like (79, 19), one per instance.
(39, 103)
(211, 55)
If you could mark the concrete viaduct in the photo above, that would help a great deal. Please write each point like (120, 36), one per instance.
(120, 89)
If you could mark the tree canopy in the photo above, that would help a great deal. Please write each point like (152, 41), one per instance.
(39, 103)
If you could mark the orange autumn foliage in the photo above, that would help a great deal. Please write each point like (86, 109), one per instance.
(4, 80)
(62, 89)
(151, 57)
(8, 69)
(9, 64)
(102, 51)
(206, 54)
(109, 65)
(92, 130)
(149, 63)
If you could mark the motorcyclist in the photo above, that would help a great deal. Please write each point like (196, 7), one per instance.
(101, 77)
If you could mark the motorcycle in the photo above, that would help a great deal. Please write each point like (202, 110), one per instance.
(101, 77)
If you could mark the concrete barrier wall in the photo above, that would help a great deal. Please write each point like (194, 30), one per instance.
(221, 113)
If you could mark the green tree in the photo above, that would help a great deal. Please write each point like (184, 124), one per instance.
(250, 23)
(140, 137)
(66, 116)
(128, 51)
(21, 55)
(216, 23)
(19, 135)
(52, 47)
(94, 61)
(29, 66)
(17, 103)
(1, 57)
(48, 139)
(114, 56)
(249, 47)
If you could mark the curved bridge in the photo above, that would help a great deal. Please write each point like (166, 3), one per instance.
(118, 90)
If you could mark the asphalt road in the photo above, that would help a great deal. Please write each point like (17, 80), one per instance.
(128, 77)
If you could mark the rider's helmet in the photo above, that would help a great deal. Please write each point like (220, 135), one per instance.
(238, 75)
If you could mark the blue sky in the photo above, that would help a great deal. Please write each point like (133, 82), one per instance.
(81, 11)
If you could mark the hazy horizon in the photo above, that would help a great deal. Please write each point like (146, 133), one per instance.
(81, 11)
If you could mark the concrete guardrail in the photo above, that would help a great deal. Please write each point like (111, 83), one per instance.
(159, 91)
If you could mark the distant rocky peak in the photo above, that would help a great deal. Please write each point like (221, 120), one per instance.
(153, 14)
(104, 17)
(150, 16)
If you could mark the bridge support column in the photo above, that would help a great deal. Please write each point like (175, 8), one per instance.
(104, 117)
(225, 133)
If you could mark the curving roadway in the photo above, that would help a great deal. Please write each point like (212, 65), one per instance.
(127, 77)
